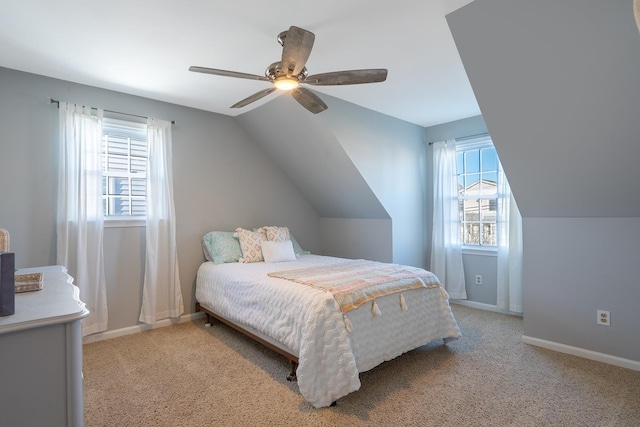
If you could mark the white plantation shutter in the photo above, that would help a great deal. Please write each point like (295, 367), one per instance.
(124, 148)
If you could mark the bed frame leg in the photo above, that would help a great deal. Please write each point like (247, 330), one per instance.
(292, 376)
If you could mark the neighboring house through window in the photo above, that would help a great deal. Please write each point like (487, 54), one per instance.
(477, 172)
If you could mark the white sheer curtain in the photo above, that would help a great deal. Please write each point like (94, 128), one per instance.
(446, 247)
(161, 296)
(509, 248)
(80, 216)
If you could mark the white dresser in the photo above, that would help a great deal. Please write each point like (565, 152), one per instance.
(41, 355)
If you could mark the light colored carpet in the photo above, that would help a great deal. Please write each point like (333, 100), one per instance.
(188, 375)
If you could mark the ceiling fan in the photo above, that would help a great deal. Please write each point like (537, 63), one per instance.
(288, 73)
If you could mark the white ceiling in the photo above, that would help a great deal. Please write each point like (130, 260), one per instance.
(145, 47)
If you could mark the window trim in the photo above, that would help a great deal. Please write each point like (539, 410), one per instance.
(480, 250)
(121, 221)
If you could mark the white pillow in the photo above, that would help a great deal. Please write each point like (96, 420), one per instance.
(278, 251)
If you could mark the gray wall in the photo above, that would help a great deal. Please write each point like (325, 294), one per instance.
(352, 164)
(576, 266)
(557, 83)
(357, 238)
(222, 180)
(392, 157)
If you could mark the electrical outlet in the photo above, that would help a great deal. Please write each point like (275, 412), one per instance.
(604, 318)
(478, 279)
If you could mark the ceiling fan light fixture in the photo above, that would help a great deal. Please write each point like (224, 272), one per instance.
(286, 83)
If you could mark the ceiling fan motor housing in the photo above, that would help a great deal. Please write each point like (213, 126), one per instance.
(275, 71)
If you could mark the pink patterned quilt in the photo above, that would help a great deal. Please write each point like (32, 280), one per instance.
(354, 283)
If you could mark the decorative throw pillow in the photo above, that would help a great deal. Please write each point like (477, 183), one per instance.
(276, 234)
(250, 244)
(282, 233)
(278, 251)
(221, 247)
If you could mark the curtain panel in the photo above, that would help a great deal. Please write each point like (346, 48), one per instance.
(162, 295)
(510, 248)
(446, 247)
(79, 212)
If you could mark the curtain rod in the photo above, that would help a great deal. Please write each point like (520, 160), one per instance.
(462, 138)
(53, 101)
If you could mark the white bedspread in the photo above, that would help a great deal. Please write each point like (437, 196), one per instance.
(310, 323)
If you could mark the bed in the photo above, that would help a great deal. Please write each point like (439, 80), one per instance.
(327, 344)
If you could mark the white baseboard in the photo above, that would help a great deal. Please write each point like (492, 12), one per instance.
(550, 345)
(581, 352)
(139, 328)
(482, 306)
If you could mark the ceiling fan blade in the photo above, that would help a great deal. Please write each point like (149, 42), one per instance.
(350, 77)
(248, 100)
(296, 49)
(228, 73)
(309, 100)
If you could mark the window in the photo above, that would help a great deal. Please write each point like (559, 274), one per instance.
(124, 170)
(477, 170)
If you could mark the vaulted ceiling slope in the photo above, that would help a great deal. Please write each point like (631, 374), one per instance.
(558, 84)
(309, 154)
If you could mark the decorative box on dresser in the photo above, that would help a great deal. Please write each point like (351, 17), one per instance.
(41, 354)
